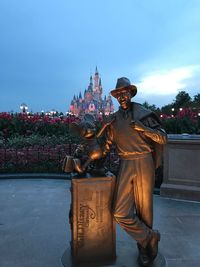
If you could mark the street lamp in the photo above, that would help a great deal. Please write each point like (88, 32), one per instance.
(24, 108)
(53, 112)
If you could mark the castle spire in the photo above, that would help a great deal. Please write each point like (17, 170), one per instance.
(90, 86)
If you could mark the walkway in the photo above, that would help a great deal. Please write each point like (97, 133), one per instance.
(34, 229)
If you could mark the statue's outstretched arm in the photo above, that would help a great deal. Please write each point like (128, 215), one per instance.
(108, 140)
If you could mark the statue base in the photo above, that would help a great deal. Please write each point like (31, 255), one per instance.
(127, 255)
(91, 219)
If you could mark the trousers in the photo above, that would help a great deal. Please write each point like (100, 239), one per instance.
(133, 201)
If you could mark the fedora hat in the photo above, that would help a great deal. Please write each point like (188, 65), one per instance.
(124, 84)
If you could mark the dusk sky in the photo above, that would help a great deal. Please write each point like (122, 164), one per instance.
(49, 49)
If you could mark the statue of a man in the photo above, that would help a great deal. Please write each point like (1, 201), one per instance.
(138, 137)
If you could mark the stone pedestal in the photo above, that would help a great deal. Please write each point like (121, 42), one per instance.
(127, 254)
(93, 227)
(182, 168)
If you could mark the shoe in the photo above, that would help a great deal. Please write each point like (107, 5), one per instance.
(152, 246)
(143, 257)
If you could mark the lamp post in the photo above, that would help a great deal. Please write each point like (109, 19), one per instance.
(24, 108)
(53, 112)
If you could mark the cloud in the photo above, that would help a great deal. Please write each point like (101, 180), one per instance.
(167, 82)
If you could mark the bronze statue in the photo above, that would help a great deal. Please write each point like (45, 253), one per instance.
(89, 152)
(139, 138)
(90, 216)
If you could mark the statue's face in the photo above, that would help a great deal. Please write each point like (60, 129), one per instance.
(124, 99)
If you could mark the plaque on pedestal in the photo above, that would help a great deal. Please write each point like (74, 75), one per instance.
(93, 227)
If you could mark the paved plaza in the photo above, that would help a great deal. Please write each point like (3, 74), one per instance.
(34, 230)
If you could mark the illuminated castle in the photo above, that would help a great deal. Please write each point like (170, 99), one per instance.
(92, 101)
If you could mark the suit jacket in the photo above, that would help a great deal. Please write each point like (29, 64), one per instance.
(151, 121)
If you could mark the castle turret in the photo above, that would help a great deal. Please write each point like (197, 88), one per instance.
(90, 86)
(96, 80)
(100, 86)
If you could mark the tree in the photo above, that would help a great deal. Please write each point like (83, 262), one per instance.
(167, 109)
(151, 107)
(196, 101)
(183, 100)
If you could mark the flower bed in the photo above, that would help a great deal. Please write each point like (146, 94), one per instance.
(19, 124)
(184, 121)
(34, 159)
(34, 143)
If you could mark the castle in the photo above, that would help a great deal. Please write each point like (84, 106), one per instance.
(92, 101)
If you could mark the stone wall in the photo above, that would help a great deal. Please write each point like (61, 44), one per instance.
(182, 167)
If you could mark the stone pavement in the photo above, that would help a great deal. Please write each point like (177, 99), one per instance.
(34, 230)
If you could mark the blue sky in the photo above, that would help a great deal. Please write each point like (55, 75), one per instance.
(49, 48)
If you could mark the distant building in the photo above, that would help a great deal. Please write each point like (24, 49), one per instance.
(92, 101)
